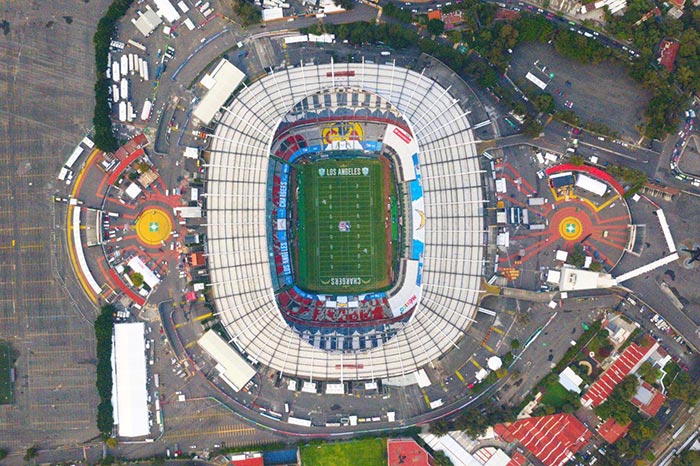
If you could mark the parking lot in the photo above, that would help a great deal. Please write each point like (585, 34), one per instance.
(601, 93)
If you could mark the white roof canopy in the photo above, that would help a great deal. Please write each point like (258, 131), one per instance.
(131, 408)
(233, 369)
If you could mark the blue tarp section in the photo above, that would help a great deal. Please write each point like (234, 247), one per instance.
(417, 249)
(280, 457)
(416, 190)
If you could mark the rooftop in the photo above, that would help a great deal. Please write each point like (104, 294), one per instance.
(627, 363)
(552, 439)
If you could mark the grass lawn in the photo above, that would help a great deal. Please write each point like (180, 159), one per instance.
(6, 388)
(367, 452)
(341, 229)
(555, 395)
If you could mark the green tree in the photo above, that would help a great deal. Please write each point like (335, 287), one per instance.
(544, 102)
(687, 458)
(649, 373)
(439, 428)
(346, 4)
(531, 127)
(441, 459)
(436, 27)
(577, 256)
(577, 160)
(31, 453)
(136, 279)
(3, 453)
(514, 344)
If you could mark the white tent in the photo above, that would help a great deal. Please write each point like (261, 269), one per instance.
(129, 388)
(590, 184)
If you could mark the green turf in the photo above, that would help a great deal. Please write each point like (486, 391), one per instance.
(555, 395)
(6, 363)
(335, 261)
(367, 452)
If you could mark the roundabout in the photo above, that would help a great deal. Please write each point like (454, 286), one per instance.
(153, 226)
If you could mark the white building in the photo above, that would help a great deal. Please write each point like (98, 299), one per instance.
(129, 392)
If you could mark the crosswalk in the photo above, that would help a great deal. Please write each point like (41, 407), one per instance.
(224, 432)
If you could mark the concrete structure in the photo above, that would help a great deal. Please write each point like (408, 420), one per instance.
(146, 23)
(231, 366)
(129, 386)
(220, 84)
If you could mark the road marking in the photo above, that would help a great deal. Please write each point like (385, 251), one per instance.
(205, 316)
(459, 376)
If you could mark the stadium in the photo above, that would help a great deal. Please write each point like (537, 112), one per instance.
(345, 221)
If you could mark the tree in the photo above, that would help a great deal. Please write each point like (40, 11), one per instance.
(346, 4)
(441, 459)
(531, 127)
(544, 102)
(31, 453)
(439, 428)
(514, 344)
(3, 453)
(577, 160)
(435, 27)
(577, 256)
(649, 373)
(136, 279)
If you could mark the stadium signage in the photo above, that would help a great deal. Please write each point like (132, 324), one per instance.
(412, 300)
(348, 171)
(343, 281)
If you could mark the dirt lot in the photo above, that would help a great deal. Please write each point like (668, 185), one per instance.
(600, 93)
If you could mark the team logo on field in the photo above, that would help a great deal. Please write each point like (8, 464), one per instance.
(321, 172)
(365, 171)
(344, 226)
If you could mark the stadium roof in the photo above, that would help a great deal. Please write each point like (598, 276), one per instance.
(552, 439)
(131, 410)
(237, 195)
(232, 367)
(220, 84)
(627, 363)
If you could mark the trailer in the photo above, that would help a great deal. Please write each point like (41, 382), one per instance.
(536, 201)
(124, 89)
(77, 152)
(88, 142)
(122, 111)
(115, 92)
(183, 7)
(208, 12)
(137, 45)
(146, 112)
(130, 111)
(115, 71)
(203, 8)
(124, 65)
(117, 45)
(145, 70)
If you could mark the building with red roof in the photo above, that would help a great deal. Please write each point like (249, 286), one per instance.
(627, 363)
(506, 15)
(407, 452)
(668, 49)
(437, 14)
(552, 439)
(516, 459)
(248, 459)
(452, 19)
(611, 431)
(648, 399)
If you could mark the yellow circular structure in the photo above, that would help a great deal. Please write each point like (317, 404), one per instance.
(153, 226)
(570, 228)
